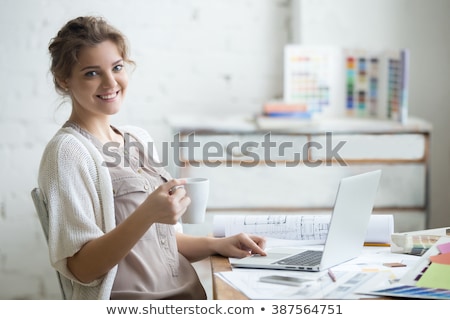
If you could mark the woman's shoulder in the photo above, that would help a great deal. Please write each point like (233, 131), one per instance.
(66, 154)
(64, 139)
(65, 146)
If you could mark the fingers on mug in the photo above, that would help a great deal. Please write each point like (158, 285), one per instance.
(174, 189)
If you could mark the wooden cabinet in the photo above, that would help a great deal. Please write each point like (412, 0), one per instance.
(297, 169)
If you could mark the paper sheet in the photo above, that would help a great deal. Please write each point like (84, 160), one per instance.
(319, 286)
(301, 229)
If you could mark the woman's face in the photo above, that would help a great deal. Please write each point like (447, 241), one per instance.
(98, 82)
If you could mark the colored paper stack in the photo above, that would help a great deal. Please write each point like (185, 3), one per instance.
(280, 108)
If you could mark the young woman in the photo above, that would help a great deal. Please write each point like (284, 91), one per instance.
(111, 229)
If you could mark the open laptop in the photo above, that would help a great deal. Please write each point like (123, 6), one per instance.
(346, 233)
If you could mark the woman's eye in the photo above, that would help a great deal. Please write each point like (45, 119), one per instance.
(91, 74)
(118, 67)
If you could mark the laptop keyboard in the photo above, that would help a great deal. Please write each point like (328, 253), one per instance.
(305, 258)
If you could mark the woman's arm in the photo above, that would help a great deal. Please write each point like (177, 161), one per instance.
(98, 256)
(237, 246)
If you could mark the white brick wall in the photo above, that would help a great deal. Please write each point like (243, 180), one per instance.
(215, 57)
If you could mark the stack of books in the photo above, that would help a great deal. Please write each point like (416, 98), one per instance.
(281, 108)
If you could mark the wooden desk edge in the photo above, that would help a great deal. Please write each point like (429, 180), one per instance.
(221, 289)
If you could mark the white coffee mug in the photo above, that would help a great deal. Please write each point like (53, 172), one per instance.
(198, 190)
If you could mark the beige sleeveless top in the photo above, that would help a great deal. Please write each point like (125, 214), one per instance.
(153, 269)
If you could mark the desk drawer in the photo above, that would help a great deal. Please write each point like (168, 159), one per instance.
(371, 146)
(251, 148)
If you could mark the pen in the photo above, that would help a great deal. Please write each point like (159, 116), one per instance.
(331, 274)
(375, 244)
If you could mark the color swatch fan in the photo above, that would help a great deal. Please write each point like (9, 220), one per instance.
(311, 77)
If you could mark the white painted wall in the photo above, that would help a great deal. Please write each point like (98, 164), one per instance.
(424, 28)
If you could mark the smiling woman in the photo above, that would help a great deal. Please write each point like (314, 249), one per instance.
(111, 228)
(88, 65)
(77, 34)
(97, 84)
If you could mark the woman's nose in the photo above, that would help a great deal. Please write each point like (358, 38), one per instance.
(109, 81)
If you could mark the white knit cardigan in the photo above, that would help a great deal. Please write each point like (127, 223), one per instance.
(79, 196)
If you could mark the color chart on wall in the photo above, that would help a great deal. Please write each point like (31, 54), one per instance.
(355, 82)
(362, 83)
(376, 83)
(308, 76)
(397, 76)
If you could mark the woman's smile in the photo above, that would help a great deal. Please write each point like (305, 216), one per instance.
(108, 96)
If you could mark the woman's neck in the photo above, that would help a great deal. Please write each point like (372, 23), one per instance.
(99, 128)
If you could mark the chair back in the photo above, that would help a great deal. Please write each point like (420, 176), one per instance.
(41, 208)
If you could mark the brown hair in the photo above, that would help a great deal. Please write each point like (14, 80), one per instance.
(76, 34)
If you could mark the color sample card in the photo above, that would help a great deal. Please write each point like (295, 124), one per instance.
(406, 291)
(443, 258)
(436, 276)
(362, 83)
(444, 247)
(397, 66)
(350, 84)
(308, 76)
(394, 81)
(427, 279)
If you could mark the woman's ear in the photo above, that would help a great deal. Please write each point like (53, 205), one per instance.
(63, 84)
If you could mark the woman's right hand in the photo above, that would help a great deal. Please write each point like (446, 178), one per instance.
(99, 255)
(164, 206)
